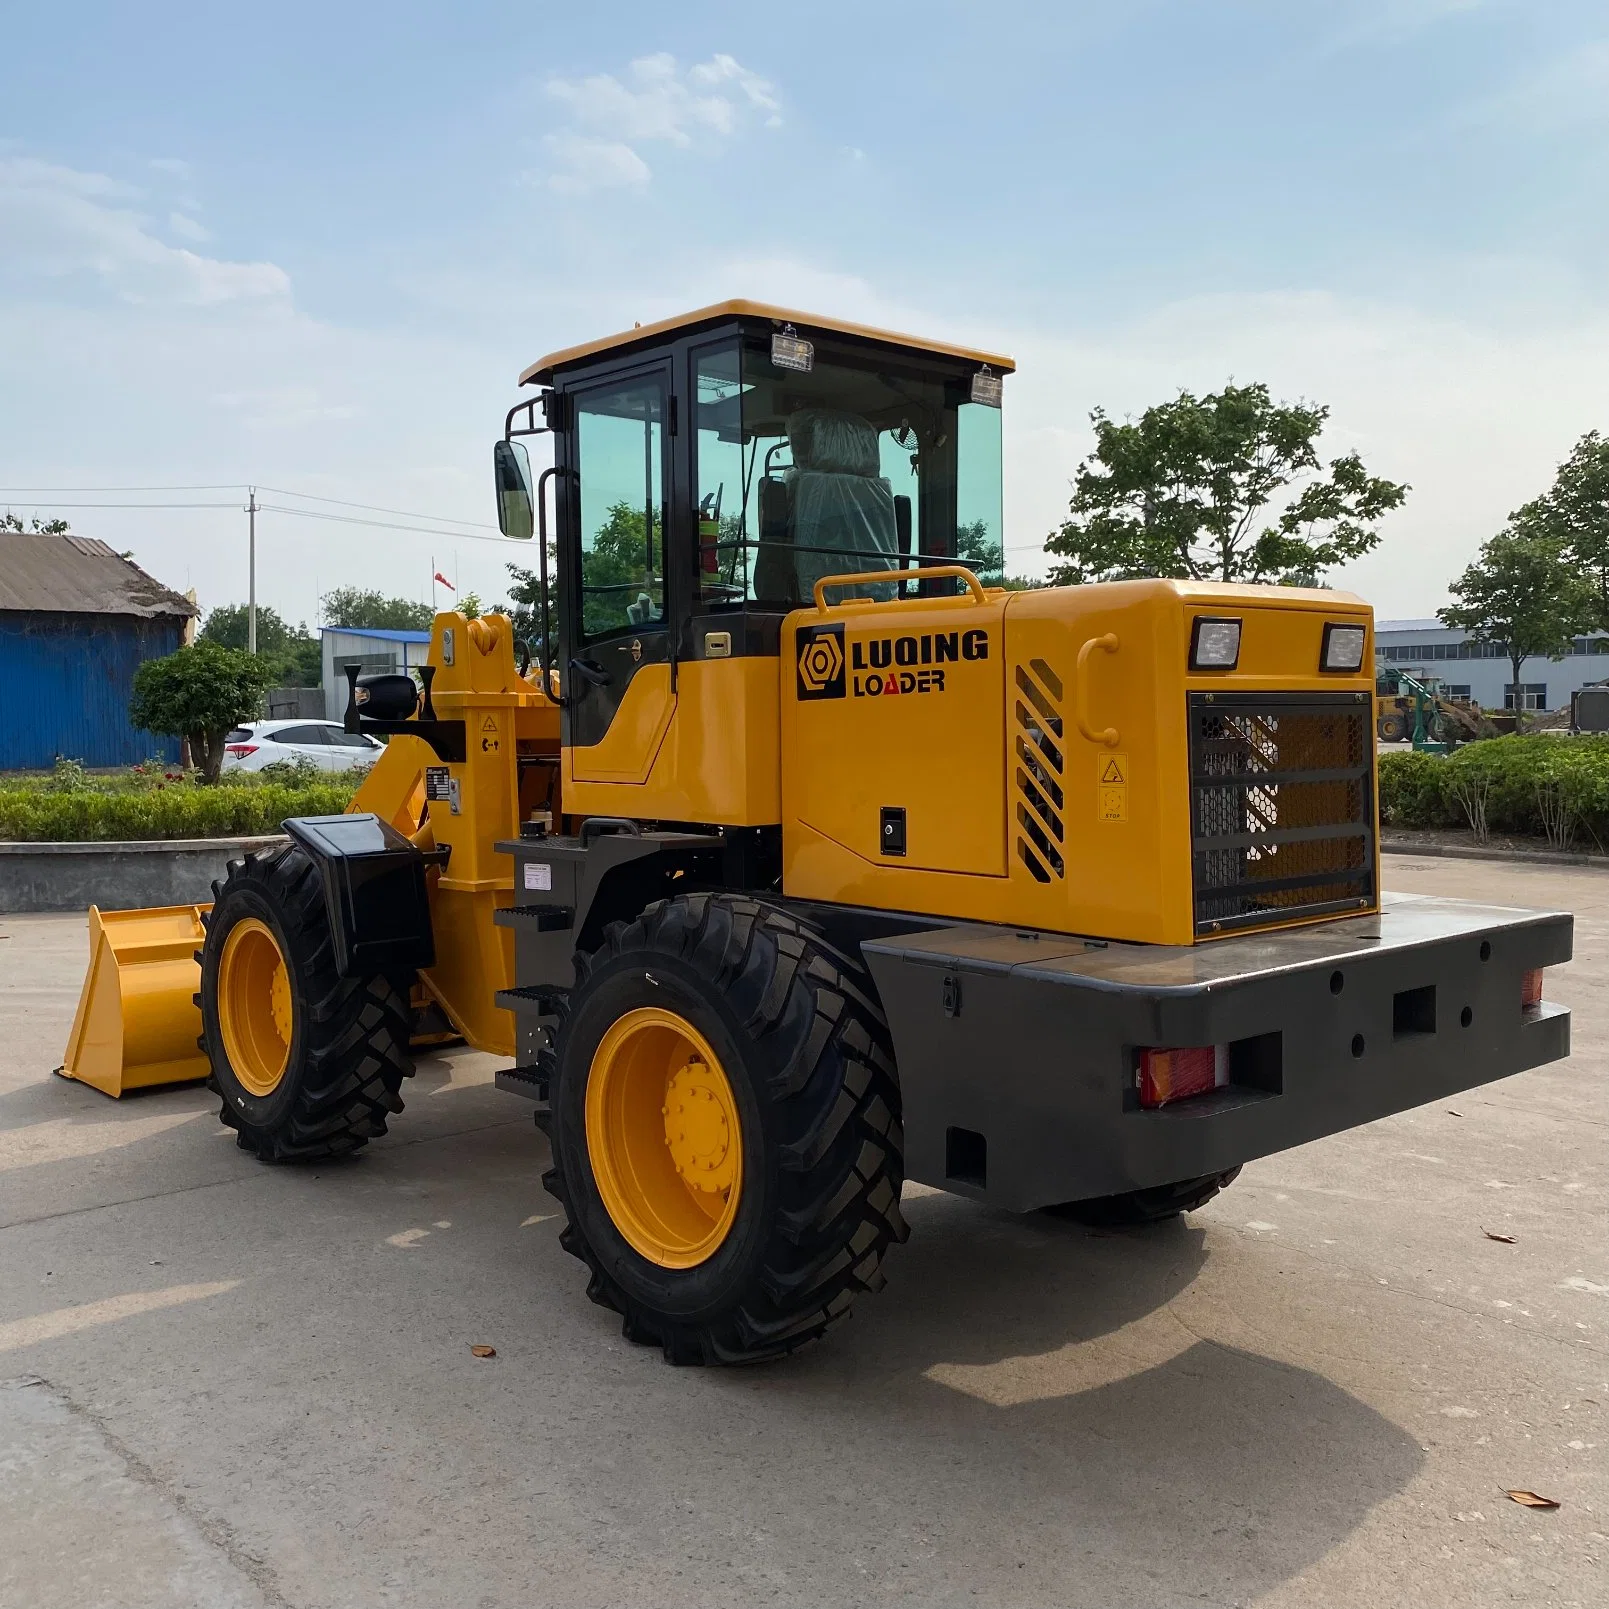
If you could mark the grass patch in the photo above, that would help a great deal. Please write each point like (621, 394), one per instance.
(71, 805)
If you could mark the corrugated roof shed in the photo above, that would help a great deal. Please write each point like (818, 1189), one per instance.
(78, 575)
(379, 633)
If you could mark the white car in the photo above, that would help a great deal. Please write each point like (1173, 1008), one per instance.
(260, 743)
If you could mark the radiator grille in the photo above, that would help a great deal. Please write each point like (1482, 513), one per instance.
(1039, 760)
(1282, 807)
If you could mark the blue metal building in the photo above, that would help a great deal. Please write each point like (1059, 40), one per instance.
(76, 622)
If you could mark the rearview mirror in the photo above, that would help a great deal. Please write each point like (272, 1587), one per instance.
(511, 469)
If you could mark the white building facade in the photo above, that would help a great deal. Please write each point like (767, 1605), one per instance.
(1482, 673)
(372, 650)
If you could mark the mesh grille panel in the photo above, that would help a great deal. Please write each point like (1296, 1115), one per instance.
(1282, 806)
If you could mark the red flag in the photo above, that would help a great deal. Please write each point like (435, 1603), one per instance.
(445, 582)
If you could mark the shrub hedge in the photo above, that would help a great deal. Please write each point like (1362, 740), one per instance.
(179, 810)
(1553, 787)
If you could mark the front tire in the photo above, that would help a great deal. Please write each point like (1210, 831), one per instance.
(725, 1126)
(308, 1064)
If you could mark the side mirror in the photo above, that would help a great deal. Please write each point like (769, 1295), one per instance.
(511, 469)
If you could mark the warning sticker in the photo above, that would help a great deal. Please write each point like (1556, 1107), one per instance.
(538, 875)
(1112, 787)
(489, 724)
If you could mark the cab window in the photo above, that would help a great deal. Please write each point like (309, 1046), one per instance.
(620, 448)
(864, 462)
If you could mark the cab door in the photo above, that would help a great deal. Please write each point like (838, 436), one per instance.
(618, 677)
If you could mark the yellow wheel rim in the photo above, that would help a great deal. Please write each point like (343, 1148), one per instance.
(254, 1006)
(664, 1137)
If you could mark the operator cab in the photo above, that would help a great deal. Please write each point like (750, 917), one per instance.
(707, 471)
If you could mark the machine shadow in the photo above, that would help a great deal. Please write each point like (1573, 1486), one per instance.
(1166, 1465)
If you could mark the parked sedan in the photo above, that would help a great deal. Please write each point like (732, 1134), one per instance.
(260, 743)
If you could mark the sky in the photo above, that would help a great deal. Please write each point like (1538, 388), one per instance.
(310, 247)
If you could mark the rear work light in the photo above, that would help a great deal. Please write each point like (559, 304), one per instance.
(1178, 1074)
(1531, 990)
(1214, 644)
(240, 750)
(1342, 647)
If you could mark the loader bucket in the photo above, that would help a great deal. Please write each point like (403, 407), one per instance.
(137, 1022)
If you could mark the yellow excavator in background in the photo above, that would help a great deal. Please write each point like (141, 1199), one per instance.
(788, 862)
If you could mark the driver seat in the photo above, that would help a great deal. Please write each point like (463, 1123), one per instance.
(840, 509)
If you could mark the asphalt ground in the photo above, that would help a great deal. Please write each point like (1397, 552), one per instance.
(229, 1384)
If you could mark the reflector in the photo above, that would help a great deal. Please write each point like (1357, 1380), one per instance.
(1531, 989)
(1178, 1073)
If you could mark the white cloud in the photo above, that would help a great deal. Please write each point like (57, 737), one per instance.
(173, 165)
(1569, 90)
(658, 101)
(187, 228)
(60, 224)
(581, 164)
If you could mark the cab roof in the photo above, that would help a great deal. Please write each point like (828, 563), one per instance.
(544, 369)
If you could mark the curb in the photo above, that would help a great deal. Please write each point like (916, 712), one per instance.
(116, 875)
(1533, 857)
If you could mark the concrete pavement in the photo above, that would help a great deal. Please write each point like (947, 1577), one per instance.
(231, 1384)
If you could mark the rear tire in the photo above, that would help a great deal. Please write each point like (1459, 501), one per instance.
(1393, 728)
(806, 1064)
(1156, 1205)
(346, 1053)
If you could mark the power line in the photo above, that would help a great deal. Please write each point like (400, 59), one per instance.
(374, 508)
(26, 493)
(95, 491)
(383, 525)
(31, 503)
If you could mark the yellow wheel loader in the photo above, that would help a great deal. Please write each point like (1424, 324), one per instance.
(786, 862)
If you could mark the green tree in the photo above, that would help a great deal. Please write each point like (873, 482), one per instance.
(1574, 513)
(13, 522)
(1522, 595)
(199, 693)
(353, 607)
(524, 607)
(987, 559)
(1191, 491)
(292, 651)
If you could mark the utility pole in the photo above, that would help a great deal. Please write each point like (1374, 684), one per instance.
(251, 601)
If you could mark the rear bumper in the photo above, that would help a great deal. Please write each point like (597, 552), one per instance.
(1028, 1042)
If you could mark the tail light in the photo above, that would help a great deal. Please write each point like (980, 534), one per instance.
(240, 750)
(1531, 989)
(1177, 1074)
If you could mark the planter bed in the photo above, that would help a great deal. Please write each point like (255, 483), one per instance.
(116, 876)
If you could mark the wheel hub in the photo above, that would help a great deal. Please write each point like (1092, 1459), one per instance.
(280, 1001)
(698, 1129)
(255, 1012)
(665, 1137)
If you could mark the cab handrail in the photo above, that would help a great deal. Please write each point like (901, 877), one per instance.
(859, 577)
